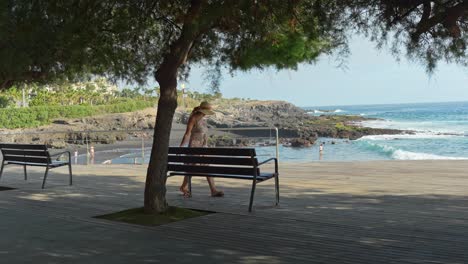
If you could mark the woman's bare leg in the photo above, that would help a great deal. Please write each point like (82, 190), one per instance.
(183, 188)
(213, 190)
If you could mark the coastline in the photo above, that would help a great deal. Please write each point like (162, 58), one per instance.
(293, 122)
(344, 134)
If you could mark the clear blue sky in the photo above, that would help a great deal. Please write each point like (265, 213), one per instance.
(372, 77)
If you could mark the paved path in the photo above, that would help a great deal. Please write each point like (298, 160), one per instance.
(368, 212)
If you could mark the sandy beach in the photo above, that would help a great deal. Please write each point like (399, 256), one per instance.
(131, 147)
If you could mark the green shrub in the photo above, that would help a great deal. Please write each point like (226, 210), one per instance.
(4, 101)
(43, 115)
(343, 127)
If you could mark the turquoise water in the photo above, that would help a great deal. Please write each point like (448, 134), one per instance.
(441, 133)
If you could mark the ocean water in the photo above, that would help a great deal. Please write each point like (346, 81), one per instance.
(441, 132)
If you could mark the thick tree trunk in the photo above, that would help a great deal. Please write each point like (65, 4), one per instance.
(155, 189)
(166, 75)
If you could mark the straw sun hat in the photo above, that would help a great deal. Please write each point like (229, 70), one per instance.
(205, 108)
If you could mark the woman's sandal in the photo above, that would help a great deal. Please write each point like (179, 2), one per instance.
(217, 194)
(185, 193)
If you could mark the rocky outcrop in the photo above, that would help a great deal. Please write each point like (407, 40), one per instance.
(293, 122)
(227, 141)
(296, 127)
(258, 113)
(73, 131)
(300, 142)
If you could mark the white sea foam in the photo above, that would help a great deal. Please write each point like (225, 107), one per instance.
(434, 127)
(317, 111)
(427, 135)
(408, 155)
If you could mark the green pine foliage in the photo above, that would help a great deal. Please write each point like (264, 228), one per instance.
(283, 51)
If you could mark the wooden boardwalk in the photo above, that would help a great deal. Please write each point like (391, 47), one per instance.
(367, 212)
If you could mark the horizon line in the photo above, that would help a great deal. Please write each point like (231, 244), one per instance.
(381, 104)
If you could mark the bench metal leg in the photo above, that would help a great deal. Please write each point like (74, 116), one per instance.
(70, 170)
(45, 177)
(254, 184)
(1, 170)
(277, 189)
(25, 173)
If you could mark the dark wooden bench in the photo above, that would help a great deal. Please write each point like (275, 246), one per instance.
(231, 163)
(32, 155)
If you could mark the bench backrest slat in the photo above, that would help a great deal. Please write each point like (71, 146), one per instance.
(27, 153)
(41, 160)
(233, 161)
(23, 146)
(211, 169)
(246, 152)
(20, 152)
(187, 159)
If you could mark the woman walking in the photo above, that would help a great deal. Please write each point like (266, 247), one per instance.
(196, 136)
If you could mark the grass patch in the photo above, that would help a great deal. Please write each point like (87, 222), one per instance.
(138, 217)
(2, 188)
(35, 116)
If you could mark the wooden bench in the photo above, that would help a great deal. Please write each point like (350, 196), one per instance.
(32, 155)
(231, 163)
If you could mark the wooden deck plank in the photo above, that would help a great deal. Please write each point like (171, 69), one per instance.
(380, 212)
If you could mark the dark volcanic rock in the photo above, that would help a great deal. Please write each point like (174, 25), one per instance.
(225, 141)
(292, 121)
(258, 113)
(300, 142)
(63, 132)
(366, 131)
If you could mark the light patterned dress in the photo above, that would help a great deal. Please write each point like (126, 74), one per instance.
(198, 137)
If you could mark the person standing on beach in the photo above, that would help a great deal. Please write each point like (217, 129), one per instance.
(196, 136)
(91, 154)
(321, 151)
(76, 156)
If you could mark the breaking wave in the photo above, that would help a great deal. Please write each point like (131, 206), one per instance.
(321, 111)
(399, 154)
(411, 136)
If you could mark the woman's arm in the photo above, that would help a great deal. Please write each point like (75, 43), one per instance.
(188, 131)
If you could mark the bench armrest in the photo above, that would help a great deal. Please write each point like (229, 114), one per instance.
(268, 160)
(61, 153)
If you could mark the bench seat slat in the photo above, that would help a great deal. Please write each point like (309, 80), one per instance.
(213, 160)
(24, 159)
(261, 177)
(54, 164)
(211, 169)
(248, 152)
(23, 146)
(20, 152)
